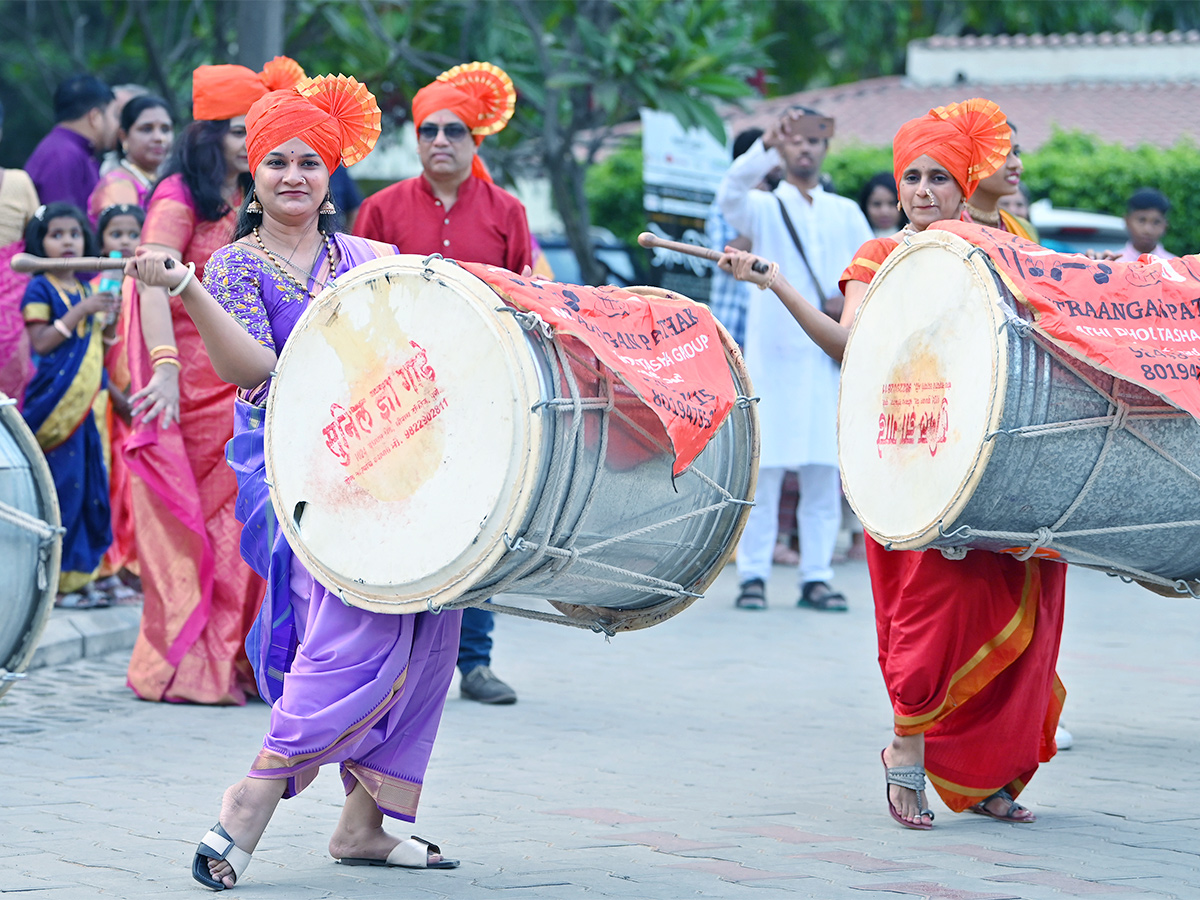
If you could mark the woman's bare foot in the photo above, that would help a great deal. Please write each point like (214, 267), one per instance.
(246, 808)
(907, 750)
(359, 833)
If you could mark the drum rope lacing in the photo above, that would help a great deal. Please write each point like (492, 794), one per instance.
(558, 550)
(1119, 419)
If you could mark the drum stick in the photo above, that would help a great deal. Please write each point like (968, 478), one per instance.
(27, 262)
(648, 240)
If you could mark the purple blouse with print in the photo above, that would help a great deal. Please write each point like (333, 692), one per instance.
(262, 298)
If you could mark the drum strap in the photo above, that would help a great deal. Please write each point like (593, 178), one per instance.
(833, 310)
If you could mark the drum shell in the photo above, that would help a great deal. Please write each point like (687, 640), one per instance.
(627, 496)
(29, 565)
(1027, 482)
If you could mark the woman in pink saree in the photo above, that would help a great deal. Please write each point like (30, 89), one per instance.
(200, 597)
(18, 201)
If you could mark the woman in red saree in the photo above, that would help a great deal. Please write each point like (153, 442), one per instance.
(200, 597)
(967, 647)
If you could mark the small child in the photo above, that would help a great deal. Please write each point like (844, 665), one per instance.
(120, 229)
(1146, 222)
(66, 323)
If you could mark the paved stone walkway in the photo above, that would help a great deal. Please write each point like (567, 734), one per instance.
(724, 753)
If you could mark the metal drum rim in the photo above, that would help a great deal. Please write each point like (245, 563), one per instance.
(44, 482)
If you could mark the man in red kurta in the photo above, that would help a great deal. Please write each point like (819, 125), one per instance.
(453, 208)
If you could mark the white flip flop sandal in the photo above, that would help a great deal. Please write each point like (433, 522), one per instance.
(414, 853)
(217, 844)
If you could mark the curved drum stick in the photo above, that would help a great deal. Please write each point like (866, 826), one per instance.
(27, 262)
(648, 240)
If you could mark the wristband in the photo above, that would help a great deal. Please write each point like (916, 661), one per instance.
(61, 328)
(187, 279)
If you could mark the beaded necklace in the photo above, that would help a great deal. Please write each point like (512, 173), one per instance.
(143, 177)
(296, 281)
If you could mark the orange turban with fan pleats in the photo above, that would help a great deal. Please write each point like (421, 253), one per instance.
(971, 140)
(479, 93)
(335, 115)
(223, 92)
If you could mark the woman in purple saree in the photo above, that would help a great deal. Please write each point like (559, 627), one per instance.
(361, 689)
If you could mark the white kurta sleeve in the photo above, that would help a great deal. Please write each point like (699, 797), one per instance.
(736, 193)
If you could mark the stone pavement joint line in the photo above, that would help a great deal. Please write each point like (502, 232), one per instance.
(932, 891)
(861, 862)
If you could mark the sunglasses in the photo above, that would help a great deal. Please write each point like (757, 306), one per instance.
(454, 131)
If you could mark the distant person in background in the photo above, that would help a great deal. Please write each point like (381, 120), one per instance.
(881, 205)
(123, 93)
(144, 137)
(1146, 222)
(64, 165)
(984, 206)
(1017, 204)
(728, 297)
(18, 201)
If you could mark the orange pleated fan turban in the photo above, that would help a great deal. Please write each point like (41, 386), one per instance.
(479, 93)
(971, 140)
(335, 115)
(223, 92)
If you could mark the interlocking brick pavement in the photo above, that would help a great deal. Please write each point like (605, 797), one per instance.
(725, 754)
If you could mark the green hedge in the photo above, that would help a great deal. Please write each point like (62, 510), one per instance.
(1074, 170)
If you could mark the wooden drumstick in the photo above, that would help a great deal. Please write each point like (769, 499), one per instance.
(648, 240)
(27, 262)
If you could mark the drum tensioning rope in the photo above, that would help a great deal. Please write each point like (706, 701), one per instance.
(558, 555)
(1119, 419)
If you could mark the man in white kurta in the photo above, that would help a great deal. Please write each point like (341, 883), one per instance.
(796, 381)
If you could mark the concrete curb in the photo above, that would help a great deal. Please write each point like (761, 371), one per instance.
(74, 634)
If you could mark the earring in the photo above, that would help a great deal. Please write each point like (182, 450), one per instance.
(327, 208)
(254, 208)
(899, 208)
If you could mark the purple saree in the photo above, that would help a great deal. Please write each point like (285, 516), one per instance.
(358, 688)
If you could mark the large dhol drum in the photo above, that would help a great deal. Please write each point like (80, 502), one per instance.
(960, 427)
(428, 447)
(30, 543)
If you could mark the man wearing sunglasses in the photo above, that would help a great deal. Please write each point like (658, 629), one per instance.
(453, 208)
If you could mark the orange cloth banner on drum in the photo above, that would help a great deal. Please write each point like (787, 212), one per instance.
(667, 350)
(1139, 321)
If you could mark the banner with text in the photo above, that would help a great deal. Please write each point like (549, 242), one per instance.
(1139, 321)
(666, 350)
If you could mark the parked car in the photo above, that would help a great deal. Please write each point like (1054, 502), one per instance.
(621, 266)
(1076, 230)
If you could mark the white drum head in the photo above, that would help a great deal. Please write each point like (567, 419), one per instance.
(399, 439)
(923, 383)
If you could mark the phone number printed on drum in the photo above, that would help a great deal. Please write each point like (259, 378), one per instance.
(355, 437)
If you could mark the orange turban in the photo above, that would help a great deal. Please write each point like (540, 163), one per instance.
(480, 94)
(971, 140)
(336, 116)
(223, 92)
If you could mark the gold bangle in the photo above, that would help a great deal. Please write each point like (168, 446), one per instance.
(62, 329)
(168, 361)
(187, 279)
(169, 348)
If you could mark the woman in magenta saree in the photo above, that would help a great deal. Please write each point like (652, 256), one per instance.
(200, 598)
(348, 686)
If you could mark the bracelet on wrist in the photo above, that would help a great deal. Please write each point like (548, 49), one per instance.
(187, 279)
(168, 361)
(61, 327)
(163, 350)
